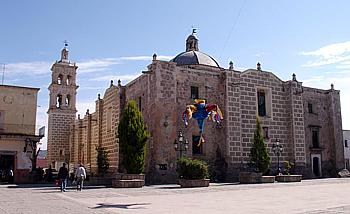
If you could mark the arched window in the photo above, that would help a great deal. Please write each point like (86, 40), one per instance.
(67, 101)
(59, 101)
(59, 79)
(68, 80)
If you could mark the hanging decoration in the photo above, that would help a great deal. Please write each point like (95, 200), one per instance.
(201, 111)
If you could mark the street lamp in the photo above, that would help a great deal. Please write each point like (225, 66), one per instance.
(277, 148)
(181, 144)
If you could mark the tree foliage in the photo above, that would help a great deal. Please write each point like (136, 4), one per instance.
(259, 155)
(102, 160)
(133, 136)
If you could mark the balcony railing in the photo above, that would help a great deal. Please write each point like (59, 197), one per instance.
(19, 129)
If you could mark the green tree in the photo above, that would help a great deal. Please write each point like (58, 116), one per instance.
(259, 155)
(102, 160)
(132, 136)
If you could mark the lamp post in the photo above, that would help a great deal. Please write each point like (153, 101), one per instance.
(277, 148)
(181, 144)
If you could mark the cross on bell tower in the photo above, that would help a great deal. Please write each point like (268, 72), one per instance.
(64, 52)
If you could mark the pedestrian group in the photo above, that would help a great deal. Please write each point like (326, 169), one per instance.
(78, 178)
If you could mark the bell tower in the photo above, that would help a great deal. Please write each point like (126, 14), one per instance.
(62, 108)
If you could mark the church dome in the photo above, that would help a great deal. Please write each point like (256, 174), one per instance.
(195, 58)
(192, 55)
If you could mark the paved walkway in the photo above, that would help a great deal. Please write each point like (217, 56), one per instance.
(309, 196)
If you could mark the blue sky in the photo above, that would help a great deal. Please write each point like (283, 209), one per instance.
(116, 40)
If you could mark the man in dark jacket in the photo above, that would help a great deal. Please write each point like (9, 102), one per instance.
(63, 175)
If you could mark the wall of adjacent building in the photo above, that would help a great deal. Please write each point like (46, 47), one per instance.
(326, 118)
(346, 136)
(18, 107)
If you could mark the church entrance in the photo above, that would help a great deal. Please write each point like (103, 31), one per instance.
(316, 164)
(7, 163)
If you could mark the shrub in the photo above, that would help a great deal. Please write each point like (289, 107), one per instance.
(287, 167)
(192, 169)
(102, 160)
(259, 156)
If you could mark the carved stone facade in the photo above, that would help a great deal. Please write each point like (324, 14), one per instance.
(97, 129)
(61, 109)
(166, 88)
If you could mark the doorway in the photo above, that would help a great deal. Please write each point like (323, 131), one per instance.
(7, 163)
(316, 165)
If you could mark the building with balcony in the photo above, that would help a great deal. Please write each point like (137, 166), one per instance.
(18, 138)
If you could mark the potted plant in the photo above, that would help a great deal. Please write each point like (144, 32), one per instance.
(259, 159)
(192, 173)
(286, 176)
(133, 135)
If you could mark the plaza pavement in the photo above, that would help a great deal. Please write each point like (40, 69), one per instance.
(308, 196)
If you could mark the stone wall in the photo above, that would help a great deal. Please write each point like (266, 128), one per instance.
(98, 129)
(18, 107)
(324, 117)
(110, 121)
(58, 136)
(163, 92)
(346, 137)
(62, 110)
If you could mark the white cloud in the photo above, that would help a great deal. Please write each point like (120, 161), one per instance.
(29, 68)
(338, 72)
(259, 54)
(83, 106)
(344, 65)
(329, 54)
(96, 65)
(87, 66)
(124, 78)
(91, 88)
(312, 80)
(340, 83)
(145, 58)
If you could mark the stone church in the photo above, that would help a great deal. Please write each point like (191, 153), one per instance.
(306, 121)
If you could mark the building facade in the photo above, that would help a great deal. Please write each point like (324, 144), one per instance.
(346, 139)
(62, 109)
(18, 138)
(306, 121)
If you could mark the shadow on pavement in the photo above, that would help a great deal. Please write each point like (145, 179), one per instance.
(168, 187)
(179, 187)
(31, 185)
(49, 186)
(120, 206)
(224, 184)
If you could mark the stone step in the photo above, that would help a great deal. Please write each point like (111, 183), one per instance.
(134, 183)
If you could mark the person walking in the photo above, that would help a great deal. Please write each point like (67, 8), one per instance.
(48, 174)
(80, 174)
(63, 175)
(11, 176)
